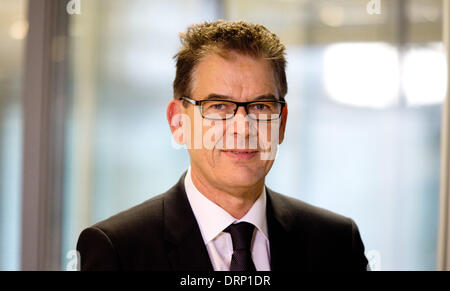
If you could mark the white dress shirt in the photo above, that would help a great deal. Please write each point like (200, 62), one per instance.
(212, 220)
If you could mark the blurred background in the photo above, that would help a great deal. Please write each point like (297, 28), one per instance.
(366, 91)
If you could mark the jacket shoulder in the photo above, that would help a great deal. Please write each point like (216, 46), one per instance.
(136, 220)
(297, 210)
(330, 240)
(123, 241)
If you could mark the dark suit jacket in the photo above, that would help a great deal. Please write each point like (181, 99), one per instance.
(162, 234)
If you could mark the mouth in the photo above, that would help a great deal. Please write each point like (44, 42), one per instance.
(242, 154)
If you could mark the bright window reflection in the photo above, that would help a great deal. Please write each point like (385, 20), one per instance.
(362, 74)
(367, 74)
(424, 75)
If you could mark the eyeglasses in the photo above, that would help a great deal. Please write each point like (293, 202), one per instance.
(226, 109)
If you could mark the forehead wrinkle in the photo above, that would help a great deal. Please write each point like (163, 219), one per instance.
(248, 90)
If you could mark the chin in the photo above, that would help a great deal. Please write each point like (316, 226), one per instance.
(241, 178)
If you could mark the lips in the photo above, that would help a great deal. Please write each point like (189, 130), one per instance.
(240, 151)
(241, 154)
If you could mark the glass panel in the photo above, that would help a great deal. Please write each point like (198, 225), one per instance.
(13, 30)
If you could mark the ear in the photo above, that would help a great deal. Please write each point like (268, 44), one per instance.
(284, 116)
(174, 116)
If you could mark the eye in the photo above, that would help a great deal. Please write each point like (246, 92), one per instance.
(260, 106)
(218, 106)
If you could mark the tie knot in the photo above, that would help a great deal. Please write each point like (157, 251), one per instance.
(241, 235)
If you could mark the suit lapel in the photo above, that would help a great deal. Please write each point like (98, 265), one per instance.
(186, 248)
(287, 248)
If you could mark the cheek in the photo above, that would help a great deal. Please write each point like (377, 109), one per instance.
(271, 130)
(265, 136)
(213, 133)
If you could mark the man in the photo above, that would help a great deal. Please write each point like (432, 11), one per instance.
(229, 94)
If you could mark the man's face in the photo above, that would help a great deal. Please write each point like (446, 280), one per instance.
(239, 78)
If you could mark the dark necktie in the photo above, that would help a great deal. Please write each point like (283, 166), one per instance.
(241, 235)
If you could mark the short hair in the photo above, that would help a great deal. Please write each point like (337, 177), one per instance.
(220, 37)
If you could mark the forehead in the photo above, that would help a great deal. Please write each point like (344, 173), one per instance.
(239, 76)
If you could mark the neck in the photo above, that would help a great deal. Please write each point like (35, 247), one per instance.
(237, 201)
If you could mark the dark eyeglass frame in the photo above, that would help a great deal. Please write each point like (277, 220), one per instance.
(238, 104)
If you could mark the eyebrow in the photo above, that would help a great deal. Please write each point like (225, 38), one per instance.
(214, 96)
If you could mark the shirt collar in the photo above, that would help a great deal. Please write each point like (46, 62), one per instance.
(204, 209)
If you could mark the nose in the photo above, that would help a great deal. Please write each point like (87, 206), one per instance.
(241, 110)
(240, 124)
(241, 131)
